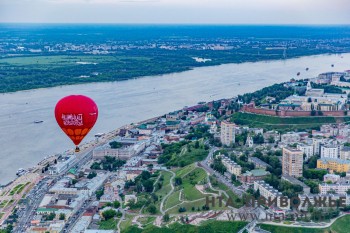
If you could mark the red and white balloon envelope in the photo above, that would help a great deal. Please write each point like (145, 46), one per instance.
(76, 115)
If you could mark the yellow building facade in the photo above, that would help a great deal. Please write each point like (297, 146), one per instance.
(337, 165)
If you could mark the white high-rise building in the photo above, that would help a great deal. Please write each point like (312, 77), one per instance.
(345, 153)
(308, 150)
(317, 142)
(330, 151)
(227, 133)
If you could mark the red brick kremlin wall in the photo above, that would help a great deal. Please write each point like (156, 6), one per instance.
(286, 113)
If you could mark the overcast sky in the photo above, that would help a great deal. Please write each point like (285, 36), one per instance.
(177, 11)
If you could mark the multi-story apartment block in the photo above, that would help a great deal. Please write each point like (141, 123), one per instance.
(268, 192)
(258, 163)
(231, 166)
(308, 150)
(337, 165)
(227, 133)
(275, 135)
(292, 162)
(290, 138)
(341, 188)
(330, 151)
(333, 130)
(317, 142)
(345, 153)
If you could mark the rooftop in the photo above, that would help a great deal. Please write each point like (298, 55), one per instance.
(328, 160)
(346, 148)
(256, 172)
(292, 149)
(268, 187)
(258, 161)
(293, 180)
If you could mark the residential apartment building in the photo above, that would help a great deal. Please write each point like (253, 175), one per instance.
(330, 151)
(290, 138)
(317, 142)
(337, 165)
(275, 135)
(292, 162)
(124, 152)
(308, 150)
(333, 130)
(258, 163)
(268, 192)
(231, 166)
(227, 133)
(345, 153)
(341, 188)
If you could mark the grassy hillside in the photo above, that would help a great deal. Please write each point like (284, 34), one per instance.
(183, 153)
(339, 226)
(207, 227)
(283, 123)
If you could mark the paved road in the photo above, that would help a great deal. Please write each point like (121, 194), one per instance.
(34, 198)
(206, 165)
(76, 216)
(37, 193)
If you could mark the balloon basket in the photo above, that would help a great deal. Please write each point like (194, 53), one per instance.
(77, 149)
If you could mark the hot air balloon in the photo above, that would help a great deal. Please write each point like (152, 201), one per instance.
(76, 115)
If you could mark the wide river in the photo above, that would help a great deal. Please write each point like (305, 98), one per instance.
(23, 143)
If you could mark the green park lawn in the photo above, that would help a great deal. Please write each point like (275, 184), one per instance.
(166, 186)
(172, 200)
(207, 227)
(110, 224)
(127, 222)
(165, 189)
(192, 176)
(341, 225)
(146, 220)
(230, 193)
(283, 123)
(197, 176)
(183, 171)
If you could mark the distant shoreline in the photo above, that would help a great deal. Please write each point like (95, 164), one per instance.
(48, 55)
(184, 69)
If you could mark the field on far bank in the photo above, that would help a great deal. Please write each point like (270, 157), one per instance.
(285, 123)
(339, 226)
(40, 71)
